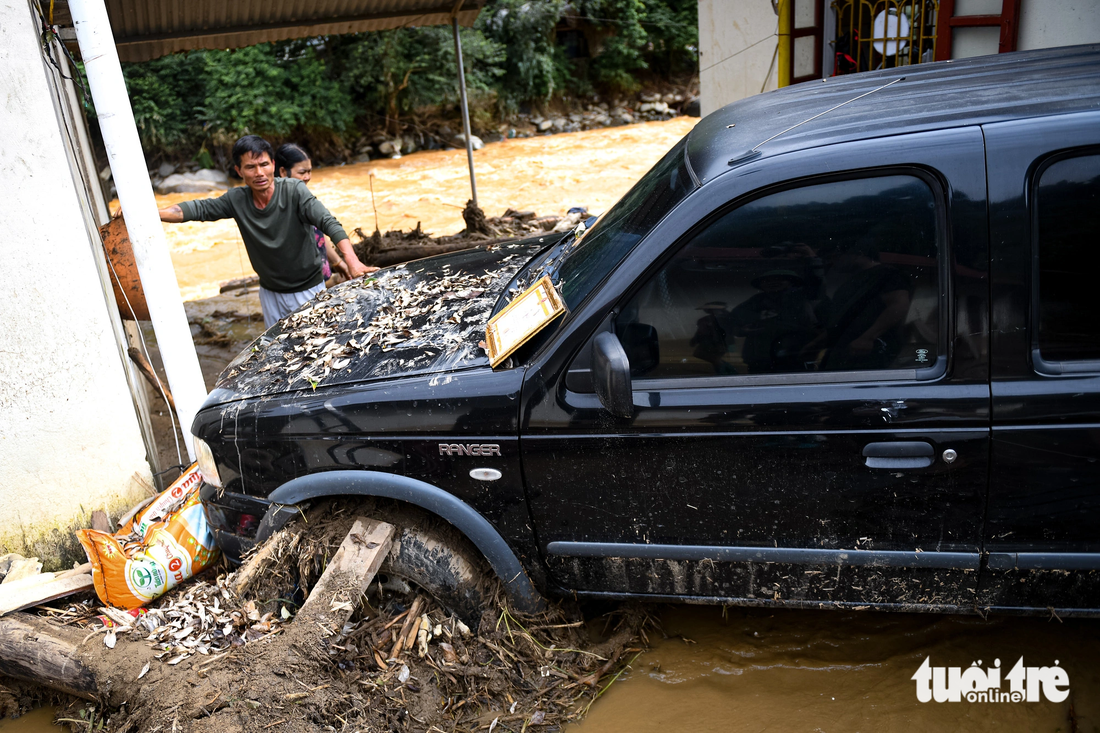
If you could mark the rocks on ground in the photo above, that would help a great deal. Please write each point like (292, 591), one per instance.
(205, 180)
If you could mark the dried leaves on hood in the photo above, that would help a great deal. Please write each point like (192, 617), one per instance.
(425, 315)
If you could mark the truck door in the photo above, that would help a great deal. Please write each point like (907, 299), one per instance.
(1044, 498)
(810, 393)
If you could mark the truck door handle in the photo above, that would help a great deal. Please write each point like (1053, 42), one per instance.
(899, 454)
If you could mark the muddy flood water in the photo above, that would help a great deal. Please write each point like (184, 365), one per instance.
(546, 174)
(829, 671)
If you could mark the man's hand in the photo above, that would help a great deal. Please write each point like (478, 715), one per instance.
(358, 269)
(355, 267)
(172, 214)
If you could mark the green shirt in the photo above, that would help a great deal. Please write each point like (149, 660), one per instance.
(279, 238)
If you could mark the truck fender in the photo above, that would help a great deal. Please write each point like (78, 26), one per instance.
(521, 592)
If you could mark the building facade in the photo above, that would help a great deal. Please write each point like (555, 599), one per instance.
(752, 46)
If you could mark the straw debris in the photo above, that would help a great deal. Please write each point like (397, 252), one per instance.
(209, 659)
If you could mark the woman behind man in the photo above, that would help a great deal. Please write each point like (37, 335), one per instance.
(291, 161)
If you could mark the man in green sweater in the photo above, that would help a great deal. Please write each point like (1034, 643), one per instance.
(276, 217)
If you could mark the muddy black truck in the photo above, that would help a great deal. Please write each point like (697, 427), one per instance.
(840, 347)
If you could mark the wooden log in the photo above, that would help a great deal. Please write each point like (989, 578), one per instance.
(125, 518)
(258, 563)
(347, 576)
(406, 253)
(239, 283)
(32, 650)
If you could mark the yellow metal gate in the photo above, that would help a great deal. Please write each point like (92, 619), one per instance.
(882, 34)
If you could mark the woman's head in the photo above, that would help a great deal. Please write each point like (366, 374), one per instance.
(293, 162)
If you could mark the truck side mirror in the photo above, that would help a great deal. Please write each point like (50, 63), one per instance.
(611, 374)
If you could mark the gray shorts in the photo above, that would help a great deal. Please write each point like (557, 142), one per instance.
(277, 306)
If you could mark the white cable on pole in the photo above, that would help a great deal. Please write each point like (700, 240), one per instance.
(135, 193)
(465, 106)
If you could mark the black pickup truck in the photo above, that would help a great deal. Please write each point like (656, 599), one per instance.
(838, 348)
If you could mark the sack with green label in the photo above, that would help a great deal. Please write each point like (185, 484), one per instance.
(158, 549)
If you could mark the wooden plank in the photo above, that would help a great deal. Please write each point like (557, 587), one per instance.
(347, 576)
(86, 568)
(100, 522)
(40, 589)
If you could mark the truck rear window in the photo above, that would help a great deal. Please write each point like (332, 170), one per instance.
(1068, 212)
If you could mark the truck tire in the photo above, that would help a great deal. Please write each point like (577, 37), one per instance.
(432, 555)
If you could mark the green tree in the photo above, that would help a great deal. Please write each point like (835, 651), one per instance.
(315, 89)
(397, 71)
(533, 67)
(672, 29)
(622, 53)
(161, 94)
(272, 91)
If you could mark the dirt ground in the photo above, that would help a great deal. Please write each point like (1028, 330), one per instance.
(218, 661)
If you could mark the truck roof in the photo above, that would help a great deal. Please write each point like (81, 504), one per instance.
(929, 97)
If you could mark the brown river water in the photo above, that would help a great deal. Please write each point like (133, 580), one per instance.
(547, 174)
(738, 670)
(831, 671)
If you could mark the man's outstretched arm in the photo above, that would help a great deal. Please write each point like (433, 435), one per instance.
(355, 267)
(172, 214)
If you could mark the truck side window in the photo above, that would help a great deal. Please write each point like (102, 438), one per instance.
(1068, 213)
(839, 276)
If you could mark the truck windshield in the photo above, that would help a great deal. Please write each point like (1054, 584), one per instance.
(589, 259)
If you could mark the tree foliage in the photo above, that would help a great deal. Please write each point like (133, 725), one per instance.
(533, 67)
(391, 73)
(336, 85)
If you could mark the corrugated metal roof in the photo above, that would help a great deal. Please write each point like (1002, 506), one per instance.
(148, 29)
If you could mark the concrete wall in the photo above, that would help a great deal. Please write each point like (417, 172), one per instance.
(737, 44)
(69, 436)
(1046, 23)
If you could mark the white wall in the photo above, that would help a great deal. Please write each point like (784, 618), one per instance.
(737, 43)
(1046, 23)
(69, 436)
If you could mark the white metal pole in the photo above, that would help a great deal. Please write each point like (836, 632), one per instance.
(135, 193)
(465, 108)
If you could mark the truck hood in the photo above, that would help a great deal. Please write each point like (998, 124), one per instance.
(421, 317)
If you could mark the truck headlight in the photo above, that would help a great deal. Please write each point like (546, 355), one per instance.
(207, 467)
